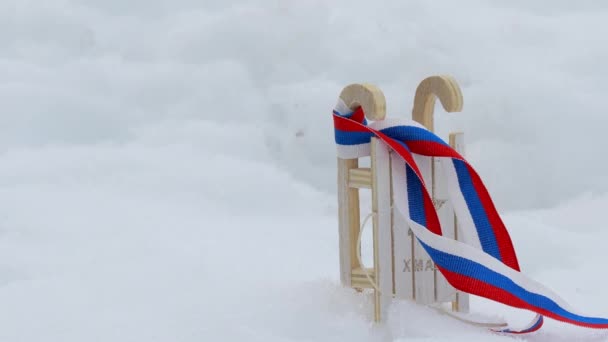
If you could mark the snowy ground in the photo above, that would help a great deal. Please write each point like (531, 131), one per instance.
(167, 169)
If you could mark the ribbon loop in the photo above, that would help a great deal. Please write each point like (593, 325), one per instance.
(485, 263)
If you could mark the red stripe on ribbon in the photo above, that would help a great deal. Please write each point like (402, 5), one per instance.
(432, 220)
(358, 115)
(401, 151)
(345, 124)
(432, 149)
(480, 288)
(503, 239)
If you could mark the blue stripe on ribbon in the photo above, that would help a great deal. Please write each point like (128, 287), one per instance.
(477, 271)
(411, 133)
(536, 325)
(414, 197)
(539, 322)
(478, 213)
(352, 138)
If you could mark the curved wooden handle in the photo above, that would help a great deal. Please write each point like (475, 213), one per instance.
(367, 96)
(443, 87)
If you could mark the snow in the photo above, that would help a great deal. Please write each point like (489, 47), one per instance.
(168, 169)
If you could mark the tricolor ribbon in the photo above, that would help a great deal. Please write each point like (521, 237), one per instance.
(484, 262)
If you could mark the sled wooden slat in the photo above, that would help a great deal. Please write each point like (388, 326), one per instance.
(461, 302)
(348, 220)
(362, 281)
(403, 245)
(382, 221)
(360, 178)
(360, 272)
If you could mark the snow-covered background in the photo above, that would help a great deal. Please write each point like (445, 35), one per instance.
(167, 168)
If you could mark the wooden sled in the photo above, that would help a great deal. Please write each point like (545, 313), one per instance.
(401, 268)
